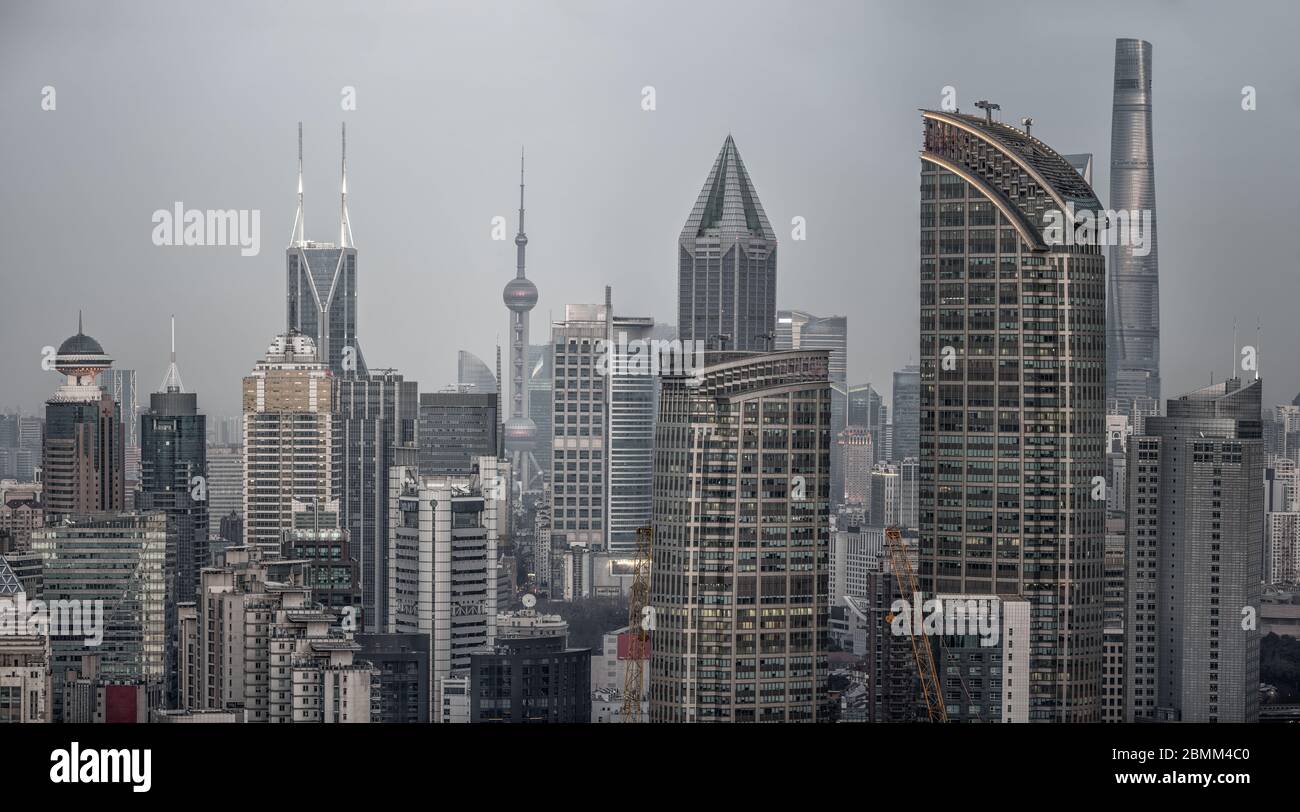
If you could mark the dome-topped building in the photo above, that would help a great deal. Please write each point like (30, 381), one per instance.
(81, 358)
(82, 450)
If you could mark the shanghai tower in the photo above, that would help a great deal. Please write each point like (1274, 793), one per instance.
(1133, 285)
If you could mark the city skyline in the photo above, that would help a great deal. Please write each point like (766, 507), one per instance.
(409, 193)
(806, 443)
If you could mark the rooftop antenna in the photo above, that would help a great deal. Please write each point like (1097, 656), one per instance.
(172, 380)
(1028, 123)
(1236, 355)
(988, 107)
(521, 239)
(345, 227)
(298, 225)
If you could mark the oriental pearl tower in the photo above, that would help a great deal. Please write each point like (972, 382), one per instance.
(520, 296)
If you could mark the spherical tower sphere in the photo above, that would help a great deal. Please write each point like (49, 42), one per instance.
(521, 433)
(520, 295)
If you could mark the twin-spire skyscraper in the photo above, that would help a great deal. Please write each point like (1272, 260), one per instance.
(321, 282)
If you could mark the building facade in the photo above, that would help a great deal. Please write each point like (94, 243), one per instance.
(740, 571)
(1195, 565)
(726, 262)
(1012, 414)
(289, 450)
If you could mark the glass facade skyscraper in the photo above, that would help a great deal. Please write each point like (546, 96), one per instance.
(1133, 284)
(1012, 412)
(726, 282)
(740, 575)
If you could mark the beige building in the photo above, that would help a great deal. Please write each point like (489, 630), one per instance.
(19, 517)
(263, 648)
(287, 438)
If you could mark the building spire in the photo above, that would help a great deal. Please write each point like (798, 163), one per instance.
(80, 332)
(521, 239)
(172, 380)
(299, 228)
(345, 227)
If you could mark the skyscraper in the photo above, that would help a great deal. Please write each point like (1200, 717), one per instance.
(472, 371)
(540, 381)
(119, 559)
(579, 446)
(797, 330)
(740, 572)
(288, 438)
(321, 284)
(173, 443)
(631, 433)
(120, 385)
(82, 456)
(455, 429)
(906, 413)
(442, 570)
(726, 281)
(520, 296)
(1196, 515)
(1012, 415)
(866, 408)
(173, 463)
(1133, 284)
(374, 414)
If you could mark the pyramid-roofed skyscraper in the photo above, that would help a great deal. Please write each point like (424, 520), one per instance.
(726, 284)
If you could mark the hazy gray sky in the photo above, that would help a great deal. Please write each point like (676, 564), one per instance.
(160, 102)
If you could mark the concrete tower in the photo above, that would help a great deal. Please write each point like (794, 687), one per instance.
(520, 296)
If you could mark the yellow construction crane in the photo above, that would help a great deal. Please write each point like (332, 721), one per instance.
(929, 678)
(640, 623)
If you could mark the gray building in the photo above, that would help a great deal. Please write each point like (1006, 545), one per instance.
(374, 414)
(526, 680)
(630, 432)
(906, 414)
(540, 379)
(726, 255)
(399, 690)
(1196, 512)
(1133, 281)
(1005, 503)
(121, 560)
(740, 571)
(797, 330)
(455, 429)
(473, 371)
(579, 418)
(866, 408)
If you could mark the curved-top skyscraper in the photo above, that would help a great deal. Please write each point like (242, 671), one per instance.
(520, 296)
(1133, 284)
(1011, 410)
